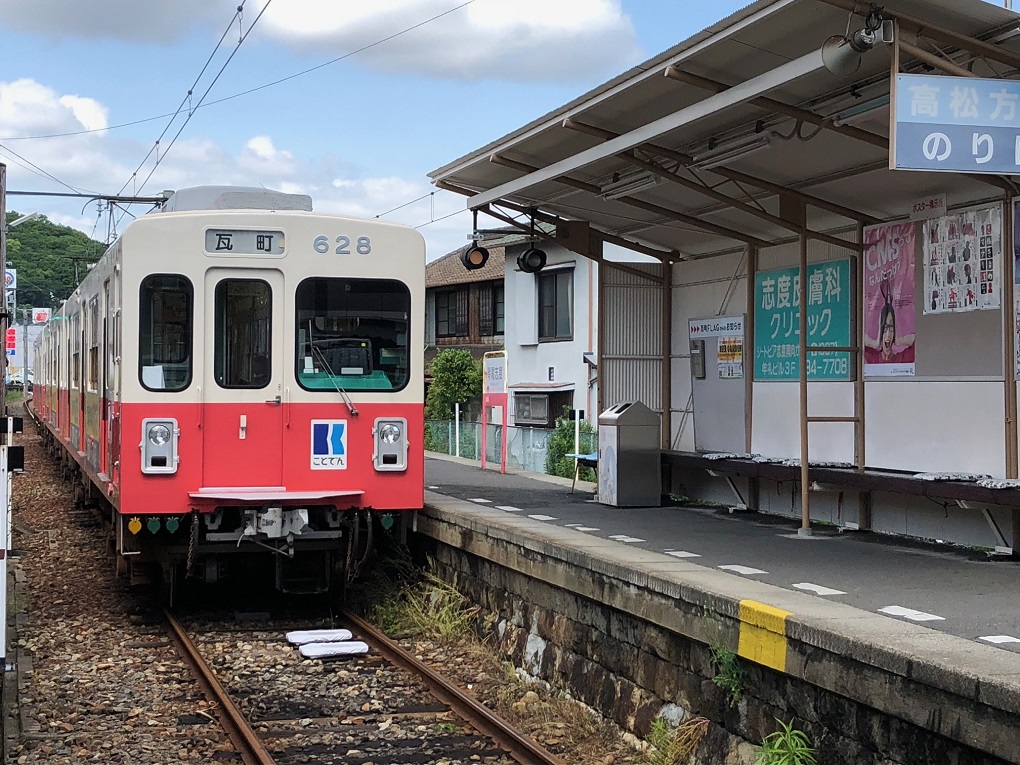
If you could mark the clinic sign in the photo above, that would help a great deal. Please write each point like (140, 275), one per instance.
(956, 124)
(777, 322)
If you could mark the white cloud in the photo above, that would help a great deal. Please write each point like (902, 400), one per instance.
(99, 162)
(525, 40)
(131, 20)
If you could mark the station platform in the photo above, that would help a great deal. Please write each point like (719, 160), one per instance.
(948, 589)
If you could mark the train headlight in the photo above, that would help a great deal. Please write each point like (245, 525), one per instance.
(159, 445)
(159, 435)
(390, 433)
(390, 444)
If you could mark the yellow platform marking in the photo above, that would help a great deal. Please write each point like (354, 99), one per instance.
(763, 634)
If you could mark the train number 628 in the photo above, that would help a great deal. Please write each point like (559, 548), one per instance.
(363, 245)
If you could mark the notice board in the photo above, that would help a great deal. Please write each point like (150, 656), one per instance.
(830, 297)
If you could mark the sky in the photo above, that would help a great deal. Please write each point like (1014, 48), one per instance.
(397, 88)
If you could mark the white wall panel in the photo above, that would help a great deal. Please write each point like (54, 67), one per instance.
(775, 426)
(936, 426)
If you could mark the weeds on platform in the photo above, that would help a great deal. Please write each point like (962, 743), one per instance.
(729, 674)
(787, 746)
(406, 601)
(675, 746)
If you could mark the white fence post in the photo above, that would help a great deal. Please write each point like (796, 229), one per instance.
(456, 428)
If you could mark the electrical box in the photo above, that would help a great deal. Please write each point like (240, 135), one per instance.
(698, 359)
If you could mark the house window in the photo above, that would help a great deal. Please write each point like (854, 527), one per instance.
(497, 299)
(490, 310)
(556, 305)
(452, 313)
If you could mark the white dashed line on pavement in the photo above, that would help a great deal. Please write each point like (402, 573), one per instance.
(542, 518)
(433, 487)
(681, 554)
(509, 508)
(746, 570)
(910, 613)
(817, 589)
(625, 538)
(480, 501)
(587, 528)
(997, 639)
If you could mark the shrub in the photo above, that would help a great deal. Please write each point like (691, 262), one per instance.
(561, 443)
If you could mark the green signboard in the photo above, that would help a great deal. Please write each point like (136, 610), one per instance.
(777, 322)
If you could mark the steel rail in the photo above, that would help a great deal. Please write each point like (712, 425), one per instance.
(245, 740)
(522, 748)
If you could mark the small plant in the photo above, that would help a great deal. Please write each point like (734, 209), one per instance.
(729, 673)
(675, 746)
(447, 728)
(787, 746)
(428, 608)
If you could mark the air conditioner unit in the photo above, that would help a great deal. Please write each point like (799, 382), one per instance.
(531, 408)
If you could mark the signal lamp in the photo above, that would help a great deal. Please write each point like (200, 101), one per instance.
(531, 261)
(474, 257)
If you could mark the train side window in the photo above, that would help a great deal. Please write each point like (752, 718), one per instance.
(243, 345)
(165, 332)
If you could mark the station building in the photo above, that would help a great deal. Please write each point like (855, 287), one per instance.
(856, 159)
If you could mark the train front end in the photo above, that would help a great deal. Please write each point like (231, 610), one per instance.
(273, 399)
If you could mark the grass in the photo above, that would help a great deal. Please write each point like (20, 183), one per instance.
(675, 746)
(729, 673)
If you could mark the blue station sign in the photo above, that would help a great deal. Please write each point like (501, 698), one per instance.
(956, 124)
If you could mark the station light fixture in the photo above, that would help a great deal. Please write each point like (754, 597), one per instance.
(474, 257)
(532, 260)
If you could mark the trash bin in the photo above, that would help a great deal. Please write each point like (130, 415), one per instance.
(630, 467)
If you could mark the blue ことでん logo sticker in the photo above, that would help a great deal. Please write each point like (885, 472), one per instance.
(329, 444)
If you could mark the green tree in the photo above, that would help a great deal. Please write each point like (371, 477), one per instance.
(456, 379)
(44, 255)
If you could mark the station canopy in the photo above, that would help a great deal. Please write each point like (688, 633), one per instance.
(690, 154)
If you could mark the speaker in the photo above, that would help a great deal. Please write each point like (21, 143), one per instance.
(531, 261)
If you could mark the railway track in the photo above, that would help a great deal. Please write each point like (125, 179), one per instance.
(382, 707)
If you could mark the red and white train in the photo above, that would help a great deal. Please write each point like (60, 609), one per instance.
(240, 375)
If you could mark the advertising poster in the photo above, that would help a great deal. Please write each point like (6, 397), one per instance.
(962, 253)
(777, 322)
(889, 301)
(730, 357)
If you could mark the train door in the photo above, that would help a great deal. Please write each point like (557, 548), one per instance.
(243, 413)
(105, 356)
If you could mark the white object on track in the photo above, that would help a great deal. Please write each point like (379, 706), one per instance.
(300, 637)
(330, 650)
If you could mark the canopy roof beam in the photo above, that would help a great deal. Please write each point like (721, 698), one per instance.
(733, 175)
(738, 94)
(619, 241)
(704, 225)
(811, 118)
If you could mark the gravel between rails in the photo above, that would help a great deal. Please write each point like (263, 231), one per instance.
(106, 685)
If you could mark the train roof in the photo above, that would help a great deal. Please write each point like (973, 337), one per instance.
(234, 198)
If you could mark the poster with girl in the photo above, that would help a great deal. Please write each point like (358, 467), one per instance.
(962, 254)
(889, 300)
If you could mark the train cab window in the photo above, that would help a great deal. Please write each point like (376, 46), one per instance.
(243, 342)
(352, 334)
(165, 332)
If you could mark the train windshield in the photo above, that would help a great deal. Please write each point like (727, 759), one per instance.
(352, 334)
(165, 331)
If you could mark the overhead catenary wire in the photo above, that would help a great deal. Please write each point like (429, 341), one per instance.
(187, 97)
(191, 112)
